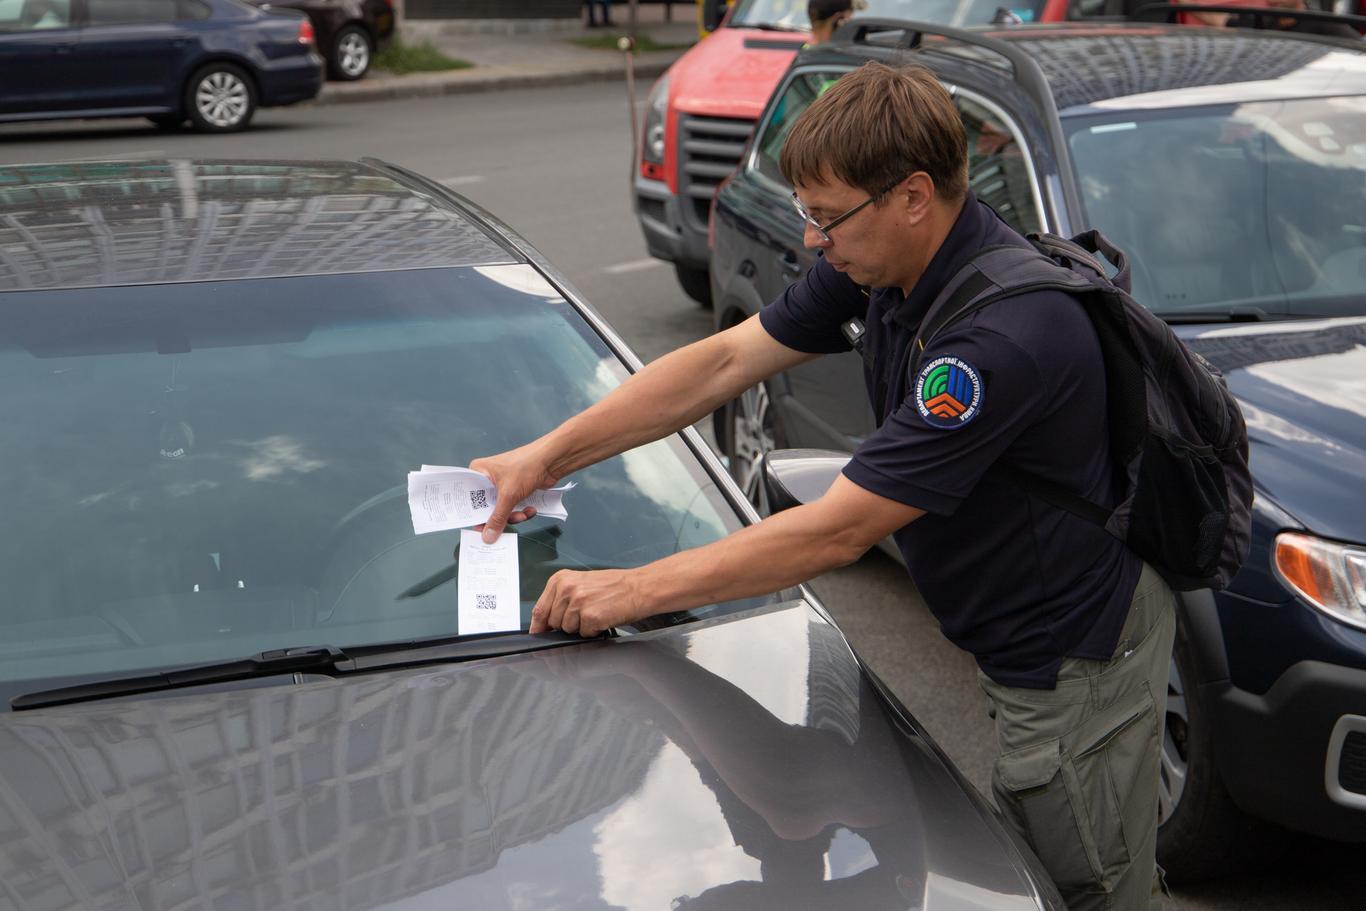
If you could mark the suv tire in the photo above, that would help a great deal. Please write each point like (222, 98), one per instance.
(220, 98)
(1201, 833)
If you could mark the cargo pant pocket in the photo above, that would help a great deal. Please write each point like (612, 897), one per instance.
(1068, 795)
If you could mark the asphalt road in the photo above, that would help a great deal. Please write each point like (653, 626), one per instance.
(555, 164)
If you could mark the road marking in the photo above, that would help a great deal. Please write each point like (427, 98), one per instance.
(462, 181)
(635, 265)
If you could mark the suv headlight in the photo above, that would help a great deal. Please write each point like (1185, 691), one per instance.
(1329, 575)
(652, 145)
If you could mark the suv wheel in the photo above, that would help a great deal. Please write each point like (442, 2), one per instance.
(1201, 834)
(747, 430)
(696, 282)
(220, 98)
(351, 54)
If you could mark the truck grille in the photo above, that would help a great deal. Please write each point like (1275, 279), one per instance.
(1352, 763)
(709, 148)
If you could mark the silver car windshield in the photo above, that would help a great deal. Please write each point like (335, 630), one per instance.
(1259, 206)
(197, 472)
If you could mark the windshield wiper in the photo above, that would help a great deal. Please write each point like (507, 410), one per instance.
(1242, 314)
(769, 27)
(327, 660)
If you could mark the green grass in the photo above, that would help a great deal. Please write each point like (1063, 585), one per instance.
(399, 58)
(608, 42)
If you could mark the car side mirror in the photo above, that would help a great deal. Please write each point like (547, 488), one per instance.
(713, 11)
(796, 476)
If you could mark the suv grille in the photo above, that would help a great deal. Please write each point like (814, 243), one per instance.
(1352, 763)
(709, 148)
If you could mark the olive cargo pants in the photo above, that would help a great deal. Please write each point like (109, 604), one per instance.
(1078, 772)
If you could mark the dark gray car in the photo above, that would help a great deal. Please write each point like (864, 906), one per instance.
(233, 675)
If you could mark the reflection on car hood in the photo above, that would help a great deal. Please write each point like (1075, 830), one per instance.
(1302, 387)
(741, 764)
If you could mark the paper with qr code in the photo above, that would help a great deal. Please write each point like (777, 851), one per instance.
(488, 582)
(442, 497)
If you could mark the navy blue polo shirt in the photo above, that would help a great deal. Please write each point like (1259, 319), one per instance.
(1018, 583)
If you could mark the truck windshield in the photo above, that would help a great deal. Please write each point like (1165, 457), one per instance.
(791, 14)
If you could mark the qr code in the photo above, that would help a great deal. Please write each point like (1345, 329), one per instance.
(486, 602)
(478, 500)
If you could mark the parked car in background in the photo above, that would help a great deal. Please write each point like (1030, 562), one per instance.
(1231, 166)
(700, 113)
(231, 675)
(211, 62)
(349, 32)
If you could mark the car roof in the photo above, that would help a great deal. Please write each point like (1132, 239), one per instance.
(82, 224)
(1091, 65)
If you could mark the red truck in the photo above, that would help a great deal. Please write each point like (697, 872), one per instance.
(701, 112)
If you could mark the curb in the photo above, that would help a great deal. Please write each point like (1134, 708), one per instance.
(480, 79)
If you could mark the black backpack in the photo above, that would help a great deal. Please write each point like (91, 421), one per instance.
(1176, 433)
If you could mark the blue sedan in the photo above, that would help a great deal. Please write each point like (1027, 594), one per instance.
(212, 62)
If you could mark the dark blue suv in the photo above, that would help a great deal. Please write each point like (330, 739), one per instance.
(211, 62)
(1231, 165)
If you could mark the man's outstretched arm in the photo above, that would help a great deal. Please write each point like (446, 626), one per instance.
(667, 395)
(781, 551)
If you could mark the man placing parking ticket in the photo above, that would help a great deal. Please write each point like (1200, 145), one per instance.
(441, 497)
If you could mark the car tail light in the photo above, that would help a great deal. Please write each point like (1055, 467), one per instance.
(306, 33)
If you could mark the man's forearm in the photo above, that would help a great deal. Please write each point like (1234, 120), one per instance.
(783, 550)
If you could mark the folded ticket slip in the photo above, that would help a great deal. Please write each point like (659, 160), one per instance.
(442, 497)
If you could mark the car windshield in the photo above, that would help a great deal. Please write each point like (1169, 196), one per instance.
(791, 14)
(197, 472)
(1257, 207)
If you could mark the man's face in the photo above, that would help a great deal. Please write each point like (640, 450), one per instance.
(870, 246)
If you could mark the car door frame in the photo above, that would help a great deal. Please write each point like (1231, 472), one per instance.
(60, 97)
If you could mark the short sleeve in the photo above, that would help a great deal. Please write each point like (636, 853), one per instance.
(807, 316)
(974, 393)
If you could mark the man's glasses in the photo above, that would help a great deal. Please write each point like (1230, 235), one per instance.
(823, 230)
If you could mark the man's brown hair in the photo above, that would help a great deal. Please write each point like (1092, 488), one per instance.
(876, 126)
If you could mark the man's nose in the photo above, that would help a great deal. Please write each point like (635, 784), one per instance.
(812, 239)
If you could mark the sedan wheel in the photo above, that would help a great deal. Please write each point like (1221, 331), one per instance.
(351, 54)
(749, 435)
(221, 98)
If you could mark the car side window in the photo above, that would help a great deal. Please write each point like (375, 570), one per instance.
(130, 12)
(796, 98)
(192, 9)
(31, 15)
(998, 170)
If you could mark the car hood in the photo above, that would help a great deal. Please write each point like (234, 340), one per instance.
(742, 763)
(1302, 387)
(732, 72)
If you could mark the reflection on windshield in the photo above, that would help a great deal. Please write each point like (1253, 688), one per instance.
(202, 472)
(1259, 205)
(792, 13)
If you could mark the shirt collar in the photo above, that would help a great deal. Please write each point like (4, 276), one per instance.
(965, 238)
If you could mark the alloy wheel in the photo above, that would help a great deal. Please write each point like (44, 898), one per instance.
(353, 55)
(751, 434)
(222, 99)
(1175, 766)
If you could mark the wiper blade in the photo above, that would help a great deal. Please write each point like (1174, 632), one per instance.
(1231, 315)
(770, 27)
(314, 659)
(324, 659)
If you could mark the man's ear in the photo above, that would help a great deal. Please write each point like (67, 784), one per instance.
(915, 195)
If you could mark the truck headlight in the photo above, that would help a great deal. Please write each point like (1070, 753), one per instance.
(1329, 575)
(656, 110)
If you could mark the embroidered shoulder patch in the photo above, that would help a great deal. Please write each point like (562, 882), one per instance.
(948, 392)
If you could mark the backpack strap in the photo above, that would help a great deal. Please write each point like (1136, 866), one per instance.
(997, 273)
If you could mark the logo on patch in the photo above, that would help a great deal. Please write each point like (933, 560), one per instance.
(948, 392)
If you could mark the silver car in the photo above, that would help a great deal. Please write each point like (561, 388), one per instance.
(233, 676)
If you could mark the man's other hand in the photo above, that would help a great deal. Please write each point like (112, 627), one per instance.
(588, 602)
(517, 474)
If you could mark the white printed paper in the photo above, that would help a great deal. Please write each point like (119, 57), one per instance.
(490, 593)
(442, 497)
